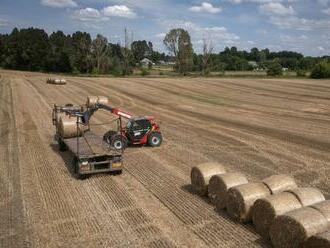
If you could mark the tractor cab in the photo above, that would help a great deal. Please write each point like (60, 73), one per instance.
(137, 129)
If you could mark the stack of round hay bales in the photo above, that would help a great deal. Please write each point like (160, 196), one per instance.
(292, 229)
(241, 199)
(67, 127)
(201, 175)
(265, 210)
(220, 184)
(92, 100)
(318, 241)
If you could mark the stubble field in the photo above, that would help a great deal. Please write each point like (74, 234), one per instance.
(259, 127)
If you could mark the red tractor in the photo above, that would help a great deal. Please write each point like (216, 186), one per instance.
(138, 130)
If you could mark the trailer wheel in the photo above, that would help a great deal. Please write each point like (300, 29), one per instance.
(62, 146)
(155, 139)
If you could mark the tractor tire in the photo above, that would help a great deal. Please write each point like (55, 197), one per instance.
(118, 142)
(115, 140)
(155, 139)
(62, 146)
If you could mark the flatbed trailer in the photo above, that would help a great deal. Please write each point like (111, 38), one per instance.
(91, 154)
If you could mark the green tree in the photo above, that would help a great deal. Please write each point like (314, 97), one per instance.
(274, 69)
(321, 70)
(100, 52)
(141, 49)
(178, 42)
(82, 58)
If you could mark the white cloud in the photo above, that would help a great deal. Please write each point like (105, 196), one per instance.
(219, 36)
(293, 22)
(276, 9)
(253, 1)
(88, 14)
(206, 7)
(326, 11)
(59, 3)
(119, 11)
(3, 23)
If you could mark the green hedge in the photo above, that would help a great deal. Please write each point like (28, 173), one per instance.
(321, 70)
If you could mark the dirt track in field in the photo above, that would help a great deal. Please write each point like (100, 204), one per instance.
(259, 127)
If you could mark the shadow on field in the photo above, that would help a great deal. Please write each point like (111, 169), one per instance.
(223, 214)
(67, 158)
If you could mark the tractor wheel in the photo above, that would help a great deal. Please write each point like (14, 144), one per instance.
(155, 139)
(62, 146)
(119, 142)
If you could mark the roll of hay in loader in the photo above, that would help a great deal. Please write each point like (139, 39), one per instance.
(68, 127)
(280, 183)
(201, 175)
(220, 184)
(92, 100)
(321, 240)
(308, 196)
(265, 210)
(324, 208)
(240, 200)
(294, 228)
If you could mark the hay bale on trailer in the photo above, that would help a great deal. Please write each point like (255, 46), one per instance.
(201, 174)
(220, 184)
(92, 100)
(265, 210)
(321, 240)
(279, 183)
(242, 198)
(68, 127)
(294, 228)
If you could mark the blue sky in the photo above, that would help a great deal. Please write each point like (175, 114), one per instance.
(298, 25)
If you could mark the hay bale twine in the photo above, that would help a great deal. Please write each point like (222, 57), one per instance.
(308, 196)
(280, 183)
(295, 227)
(240, 200)
(92, 100)
(219, 186)
(201, 175)
(68, 127)
(267, 209)
(318, 241)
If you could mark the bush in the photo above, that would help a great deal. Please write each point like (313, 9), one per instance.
(274, 69)
(301, 73)
(161, 73)
(321, 70)
(144, 72)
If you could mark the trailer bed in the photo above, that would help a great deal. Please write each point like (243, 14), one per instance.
(89, 145)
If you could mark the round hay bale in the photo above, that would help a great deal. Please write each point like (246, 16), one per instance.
(280, 183)
(68, 127)
(295, 227)
(267, 209)
(92, 100)
(219, 186)
(308, 196)
(318, 241)
(201, 175)
(323, 208)
(240, 200)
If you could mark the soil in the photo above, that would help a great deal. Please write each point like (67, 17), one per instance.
(259, 127)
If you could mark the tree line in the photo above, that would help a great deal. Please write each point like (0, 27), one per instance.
(34, 50)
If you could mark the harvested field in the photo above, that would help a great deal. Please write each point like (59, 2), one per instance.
(259, 127)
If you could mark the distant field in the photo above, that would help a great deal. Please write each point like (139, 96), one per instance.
(256, 126)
